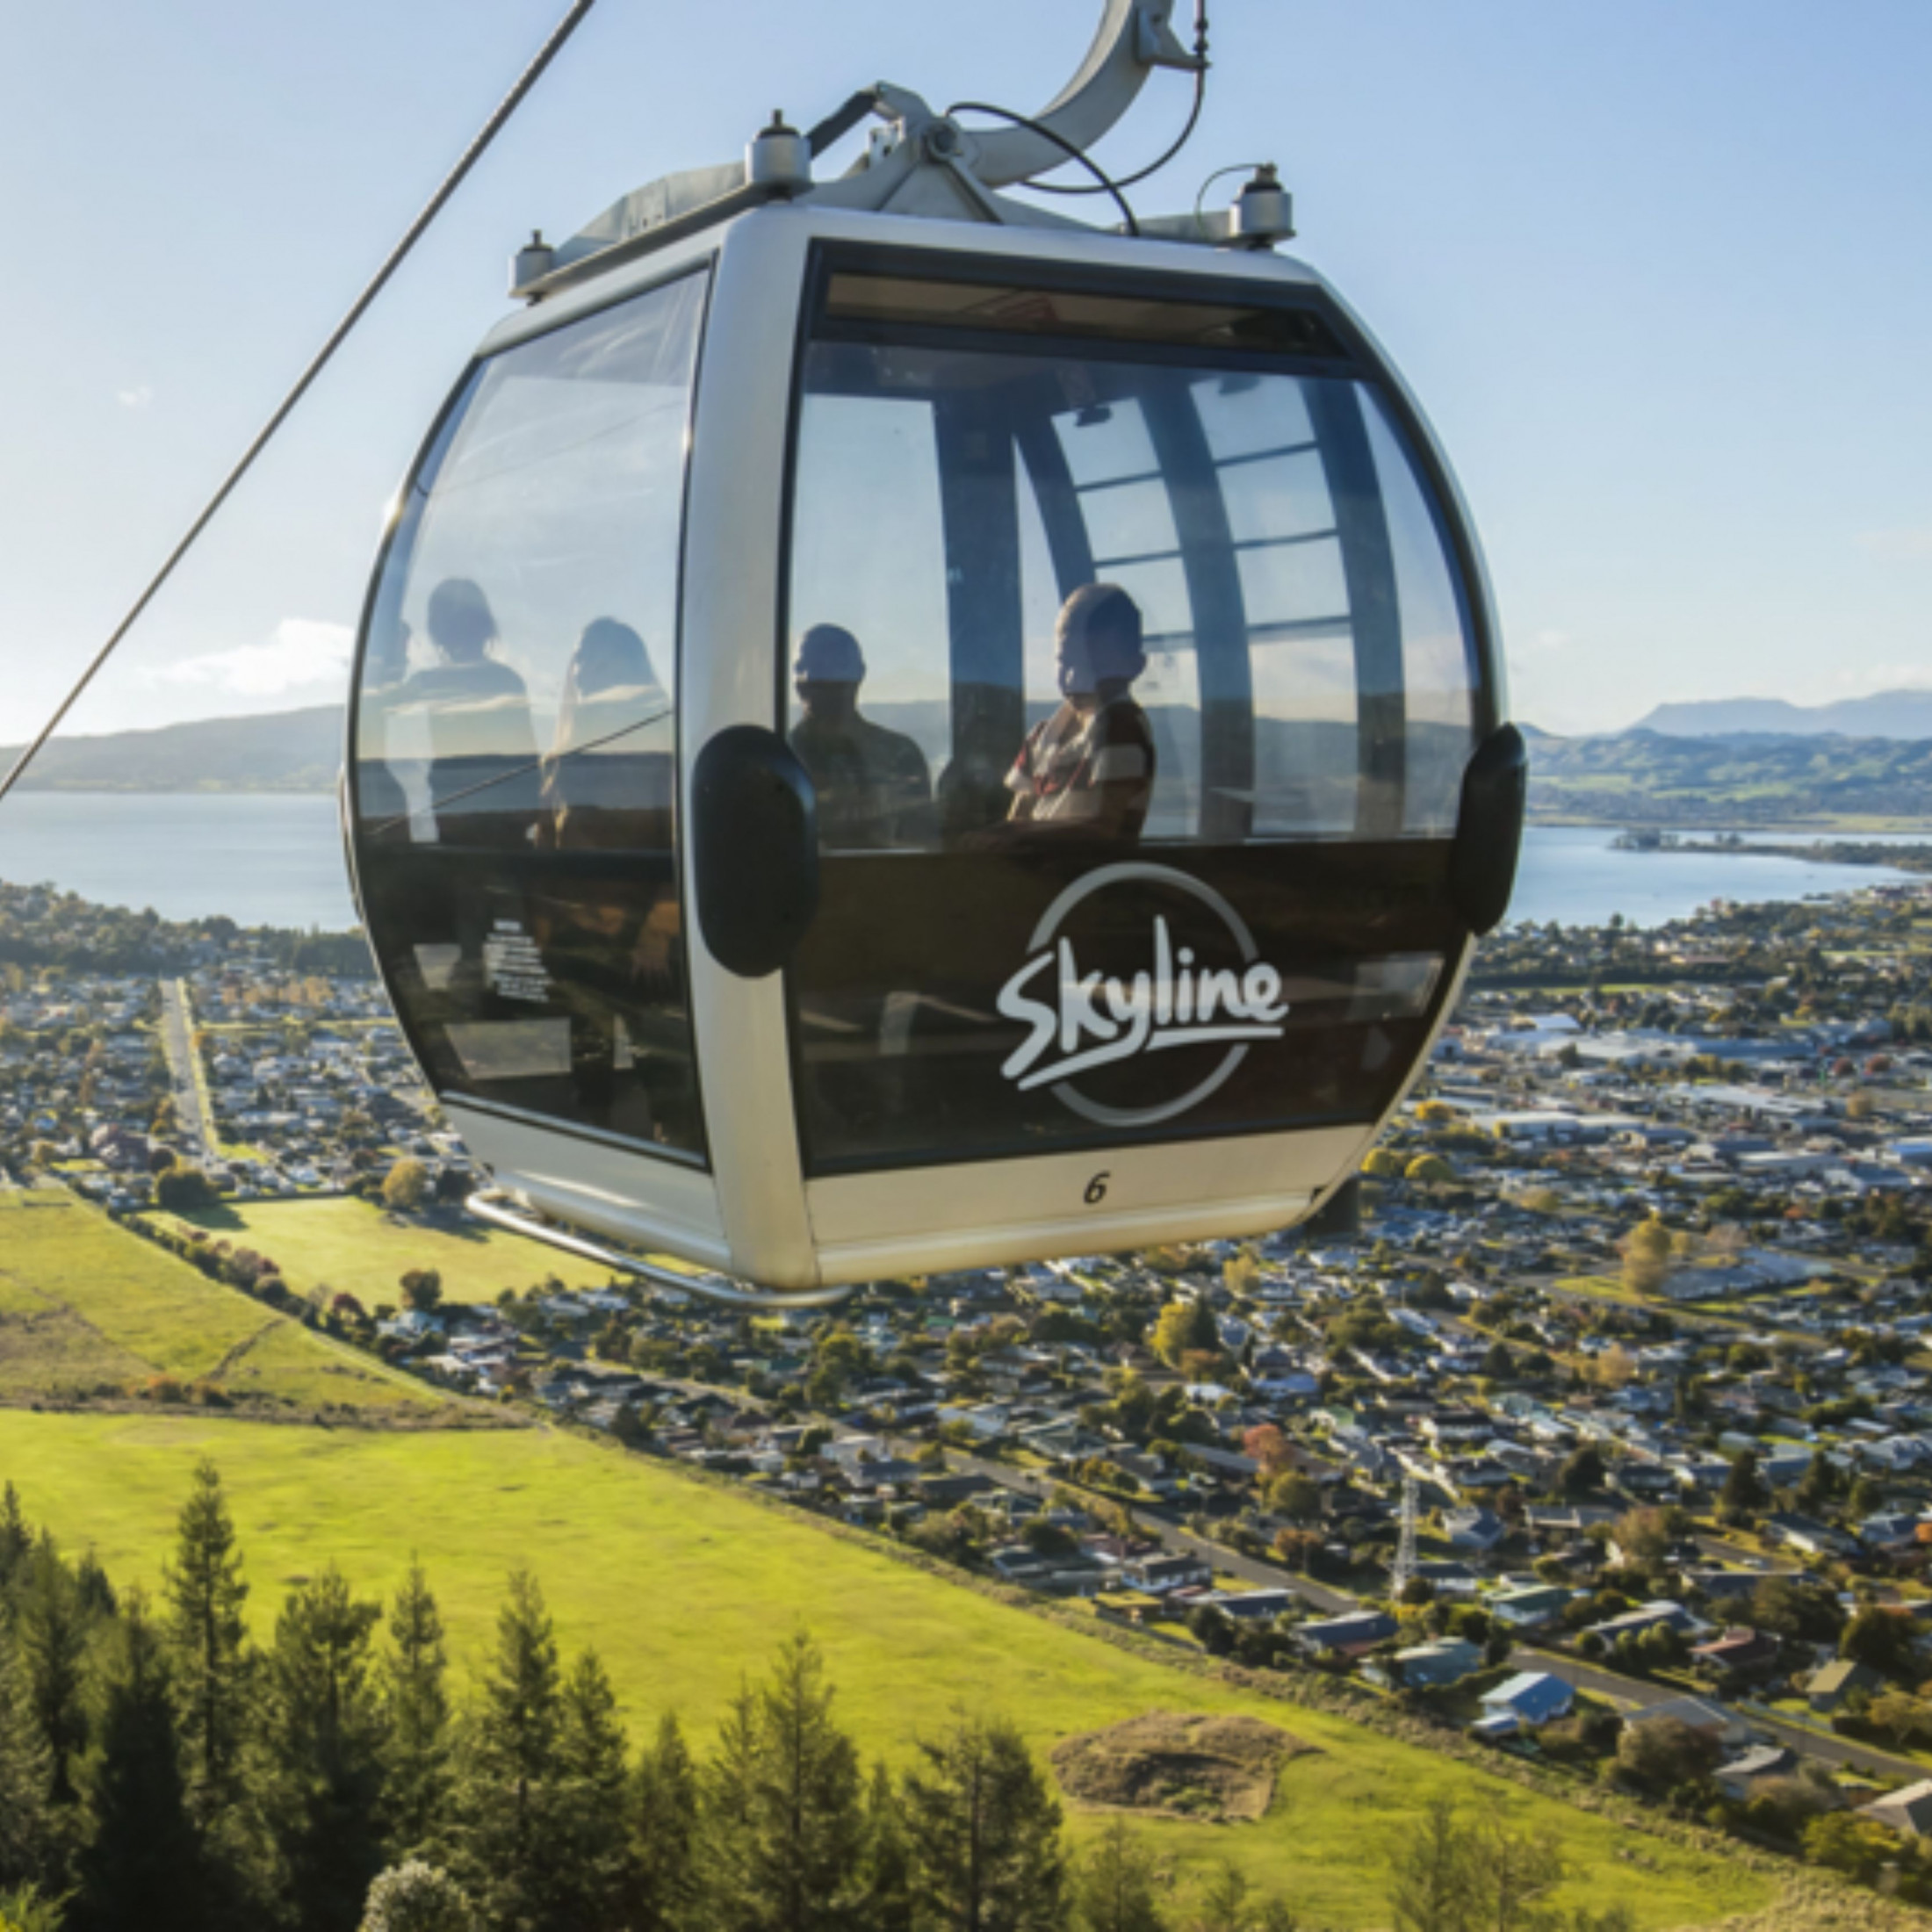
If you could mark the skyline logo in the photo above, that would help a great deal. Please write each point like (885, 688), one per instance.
(1078, 1021)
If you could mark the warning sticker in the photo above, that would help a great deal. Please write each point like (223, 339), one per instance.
(513, 967)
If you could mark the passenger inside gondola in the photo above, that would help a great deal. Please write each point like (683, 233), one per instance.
(1089, 768)
(384, 803)
(483, 775)
(602, 788)
(874, 787)
(609, 944)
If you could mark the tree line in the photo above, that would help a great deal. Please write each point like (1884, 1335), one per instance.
(159, 1768)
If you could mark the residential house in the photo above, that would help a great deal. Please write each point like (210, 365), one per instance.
(1532, 1607)
(1353, 1634)
(1425, 1667)
(1739, 1652)
(1161, 1574)
(1530, 1697)
(1829, 1686)
(1908, 1810)
(1743, 1775)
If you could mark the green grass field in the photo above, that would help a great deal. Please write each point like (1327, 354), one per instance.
(86, 1305)
(684, 1587)
(352, 1246)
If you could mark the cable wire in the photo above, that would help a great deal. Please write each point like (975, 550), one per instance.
(1059, 140)
(1186, 135)
(548, 52)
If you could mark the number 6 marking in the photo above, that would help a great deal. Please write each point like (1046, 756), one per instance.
(1096, 1188)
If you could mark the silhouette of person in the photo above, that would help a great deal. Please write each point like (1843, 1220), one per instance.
(874, 787)
(610, 938)
(1090, 767)
(602, 787)
(383, 804)
(483, 747)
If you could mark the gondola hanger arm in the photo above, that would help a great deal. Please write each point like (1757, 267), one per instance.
(1135, 37)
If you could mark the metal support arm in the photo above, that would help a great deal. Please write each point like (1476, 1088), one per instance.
(1134, 37)
(503, 1210)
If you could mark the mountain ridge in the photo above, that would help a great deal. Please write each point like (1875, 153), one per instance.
(1642, 775)
(264, 751)
(1904, 714)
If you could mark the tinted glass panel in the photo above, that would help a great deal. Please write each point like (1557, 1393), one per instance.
(1150, 611)
(515, 779)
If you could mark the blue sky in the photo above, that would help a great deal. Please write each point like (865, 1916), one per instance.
(1660, 274)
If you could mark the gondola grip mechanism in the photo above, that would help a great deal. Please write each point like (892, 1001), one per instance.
(754, 839)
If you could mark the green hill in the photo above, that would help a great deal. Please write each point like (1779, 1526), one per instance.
(686, 1585)
(91, 1313)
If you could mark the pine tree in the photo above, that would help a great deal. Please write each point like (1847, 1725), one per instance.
(15, 1537)
(593, 1790)
(783, 1826)
(888, 1905)
(1431, 1873)
(26, 1841)
(416, 1708)
(140, 1861)
(512, 1848)
(1118, 1884)
(51, 1628)
(985, 1833)
(665, 1799)
(1228, 1904)
(316, 1783)
(97, 1596)
(205, 1593)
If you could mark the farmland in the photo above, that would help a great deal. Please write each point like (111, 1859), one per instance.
(683, 1586)
(88, 1311)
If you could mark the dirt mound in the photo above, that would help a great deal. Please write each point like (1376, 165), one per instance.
(1182, 1766)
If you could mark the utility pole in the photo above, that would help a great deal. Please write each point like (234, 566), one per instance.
(1404, 1571)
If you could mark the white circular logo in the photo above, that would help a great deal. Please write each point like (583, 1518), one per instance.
(1078, 1021)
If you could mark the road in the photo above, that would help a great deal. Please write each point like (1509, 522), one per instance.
(197, 1133)
(1633, 1691)
(1166, 1529)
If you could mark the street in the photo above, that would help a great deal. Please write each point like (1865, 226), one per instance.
(197, 1133)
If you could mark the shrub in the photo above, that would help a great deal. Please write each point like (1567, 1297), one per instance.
(416, 1897)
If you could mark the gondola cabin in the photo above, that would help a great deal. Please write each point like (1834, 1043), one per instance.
(887, 742)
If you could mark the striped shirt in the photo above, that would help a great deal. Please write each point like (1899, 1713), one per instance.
(1086, 767)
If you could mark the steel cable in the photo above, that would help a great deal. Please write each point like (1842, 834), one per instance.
(548, 52)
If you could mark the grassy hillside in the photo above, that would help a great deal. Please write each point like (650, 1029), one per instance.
(88, 1309)
(683, 1586)
(354, 1246)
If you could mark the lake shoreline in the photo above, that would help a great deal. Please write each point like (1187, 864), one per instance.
(275, 858)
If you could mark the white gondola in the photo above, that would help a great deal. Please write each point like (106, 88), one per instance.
(895, 732)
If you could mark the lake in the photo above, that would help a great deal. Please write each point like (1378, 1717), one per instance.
(270, 859)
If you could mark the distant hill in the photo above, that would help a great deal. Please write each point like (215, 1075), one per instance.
(1886, 714)
(281, 750)
(1642, 776)
(1646, 777)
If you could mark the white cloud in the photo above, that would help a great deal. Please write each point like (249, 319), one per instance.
(1887, 677)
(1549, 640)
(302, 652)
(1897, 547)
(137, 397)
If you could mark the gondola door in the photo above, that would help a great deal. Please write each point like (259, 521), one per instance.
(1134, 658)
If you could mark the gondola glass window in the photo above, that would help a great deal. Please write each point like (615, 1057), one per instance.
(515, 773)
(1279, 698)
